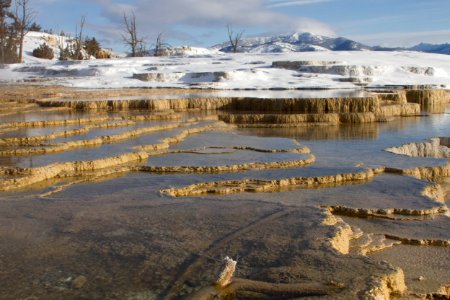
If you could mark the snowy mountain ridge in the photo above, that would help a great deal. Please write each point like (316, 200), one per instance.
(303, 42)
(296, 42)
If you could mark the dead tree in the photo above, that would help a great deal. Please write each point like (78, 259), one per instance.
(131, 37)
(25, 17)
(234, 38)
(160, 45)
(79, 39)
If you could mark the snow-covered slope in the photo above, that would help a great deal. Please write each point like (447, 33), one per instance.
(34, 39)
(297, 42)
(305, 70)
(209, 68)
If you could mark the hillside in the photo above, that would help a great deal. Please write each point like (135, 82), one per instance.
(304, 42)
(297, 42)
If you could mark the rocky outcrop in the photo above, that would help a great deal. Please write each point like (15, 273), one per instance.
(433, 148)
(435, 192)
(343, 233)
(385, 286)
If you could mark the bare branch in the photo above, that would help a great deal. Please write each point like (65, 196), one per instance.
(24, 16)
(234, 38)
(130, 36)
(160, 45)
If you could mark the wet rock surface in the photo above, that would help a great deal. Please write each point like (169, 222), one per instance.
(298, 191)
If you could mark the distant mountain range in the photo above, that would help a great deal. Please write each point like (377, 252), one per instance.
(300, 42)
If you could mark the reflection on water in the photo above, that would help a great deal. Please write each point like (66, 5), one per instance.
(363, 131)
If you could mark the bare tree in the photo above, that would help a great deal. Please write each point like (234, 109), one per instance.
(79, 39)
(160, 45)
(25, 17)
(234, 38)
(131, 37)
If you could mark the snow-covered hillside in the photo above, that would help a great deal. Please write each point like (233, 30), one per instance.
(297, 42)
(204, 68)
(325, 70)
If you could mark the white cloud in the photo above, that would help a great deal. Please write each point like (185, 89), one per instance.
(170, 16)
(284, 3)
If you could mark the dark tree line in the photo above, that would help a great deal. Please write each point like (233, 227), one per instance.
(15, 22)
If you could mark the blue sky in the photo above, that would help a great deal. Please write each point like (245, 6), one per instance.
(202, 22)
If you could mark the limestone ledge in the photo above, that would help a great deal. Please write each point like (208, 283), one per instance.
(28, 176)
(435, 147)
(34, 124)
(285, 105)
(301, 150)
(385, 212)
(420, 242)
(165, 143)
(96, 142)
(229, 168)
(424, 173)
(37, 140)
(283, 112)
(367, 243)
(379, 287)
(256, 185)
(381, 114)
(426, 97)
(99, 121)
(31, 176)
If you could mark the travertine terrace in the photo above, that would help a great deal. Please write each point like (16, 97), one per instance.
(141, 193)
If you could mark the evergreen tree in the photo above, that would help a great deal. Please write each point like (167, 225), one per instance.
(92, 46)
(35, 27)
